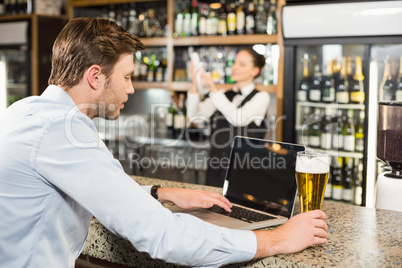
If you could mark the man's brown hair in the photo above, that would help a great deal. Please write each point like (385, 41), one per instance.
(84, 42)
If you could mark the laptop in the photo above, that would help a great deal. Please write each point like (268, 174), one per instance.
(260, 182)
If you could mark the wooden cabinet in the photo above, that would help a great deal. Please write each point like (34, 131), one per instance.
(170, 43)
(41, 32)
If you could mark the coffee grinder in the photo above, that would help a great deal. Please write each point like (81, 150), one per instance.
(389, 150)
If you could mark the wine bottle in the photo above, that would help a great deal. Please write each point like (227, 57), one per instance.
(316, 85)
(315, 130)
(169, 121)
(305, 81)
(250, 18)
(398, 94)
(342, 85)
(328, 85)
(240, 18)
(357, 94)
(231, 18)
(222, 27)
(151, 68)
(326, 130)
(358, 181)
(133, 21)
(337, 179)
(272, 21)
(261, 18)
(202, 23)
(348, 180)
(194, 17)
(337, 137)
(179, 120)
(359, 133)
(348, 132)
(387, 85)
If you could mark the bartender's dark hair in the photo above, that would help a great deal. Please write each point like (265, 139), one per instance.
(258, 59)
(84, 42)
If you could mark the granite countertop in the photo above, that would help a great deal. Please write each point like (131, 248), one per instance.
(358, 237)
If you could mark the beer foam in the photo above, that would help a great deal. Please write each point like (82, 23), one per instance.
(314, 165)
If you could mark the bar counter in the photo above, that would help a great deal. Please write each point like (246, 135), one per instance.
(358, 237)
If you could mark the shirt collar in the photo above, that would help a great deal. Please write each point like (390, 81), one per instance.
(246, 89)
(59, 95)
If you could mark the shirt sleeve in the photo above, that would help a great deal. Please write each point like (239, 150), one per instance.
(72, 159)
(254, 110)
(195, 107)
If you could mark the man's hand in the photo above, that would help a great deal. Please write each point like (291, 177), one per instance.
(186, 198)
(301, 231)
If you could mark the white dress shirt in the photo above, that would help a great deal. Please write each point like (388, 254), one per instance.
(55, 174)
(254, 110)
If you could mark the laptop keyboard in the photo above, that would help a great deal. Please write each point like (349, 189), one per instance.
(242, 214)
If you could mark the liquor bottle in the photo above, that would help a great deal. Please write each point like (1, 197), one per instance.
(304, 87)
(240, 18)
(187, 31)
(316, 84)
(261, 18)
(194, 17)
(337, 137)
(398, 94)
(315, 130)
(326, 130)
(133, 26)
(342, 85)
(348, 132)
(212, 23)
(359, 133)
(151, 68)
(179, 120)
(337, 179)
(202, 23)
(228, 69)
(250, 18)
(144, 67)
(272, 21)
(137, 66)
(387, 85)
(357, 94)
(268, 69)
(178, 26)
(358, 181)
(170, 117)
(159, 71)
(222, 27)
(231, 18)
(328, 85)
(348, 180)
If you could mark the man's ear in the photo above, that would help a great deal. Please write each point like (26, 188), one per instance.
(94, 76)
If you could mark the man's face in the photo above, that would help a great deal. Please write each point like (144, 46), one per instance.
(117, 88)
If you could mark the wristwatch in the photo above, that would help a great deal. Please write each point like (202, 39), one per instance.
(154, 191)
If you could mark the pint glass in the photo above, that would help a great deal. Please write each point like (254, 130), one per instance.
(312, 169)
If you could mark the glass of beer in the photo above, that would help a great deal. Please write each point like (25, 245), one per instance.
(312, 169)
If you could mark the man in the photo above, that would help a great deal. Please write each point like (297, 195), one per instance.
(55, 174)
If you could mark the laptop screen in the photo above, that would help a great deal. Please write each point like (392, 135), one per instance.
(261, 175)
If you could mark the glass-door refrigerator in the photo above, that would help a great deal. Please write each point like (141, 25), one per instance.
(15, 60)
(341, 59)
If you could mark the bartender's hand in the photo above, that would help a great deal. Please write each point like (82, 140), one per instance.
(186, 198)
(299, 232)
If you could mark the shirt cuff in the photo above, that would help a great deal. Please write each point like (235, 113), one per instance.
(246, 246)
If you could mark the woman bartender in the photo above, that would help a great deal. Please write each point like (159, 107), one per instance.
(239, 111)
